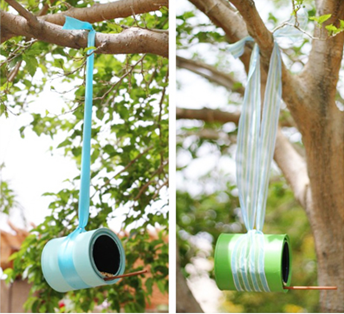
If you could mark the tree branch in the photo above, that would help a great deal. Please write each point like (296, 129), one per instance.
(292, 165)
(210, 134)
(294, 168)
(45, 8)
(222, 14)
(213, 75)
(107, 11)
(132, 40)
(216, 115)
(322, 69)
(15, 70)
(255, 26)
(208, 115)
(210, 73)
(32, 20)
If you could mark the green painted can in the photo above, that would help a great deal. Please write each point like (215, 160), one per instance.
(277, 261)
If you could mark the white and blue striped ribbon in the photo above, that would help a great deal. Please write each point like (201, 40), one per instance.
(256, 143)
(255, 148)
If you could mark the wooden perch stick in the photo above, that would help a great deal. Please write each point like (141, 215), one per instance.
(311, 288)
(126, 275)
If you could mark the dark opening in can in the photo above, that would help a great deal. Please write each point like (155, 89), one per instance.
(285, 262)
(106, 255)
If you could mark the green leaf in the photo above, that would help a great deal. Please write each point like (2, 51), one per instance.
(8, 272)
(149, 285)
(320, 19)
(64, 143)
(114, 27)
(161, 286)
(332, 29)
(21, 131)
(341, 24)
(31, 65)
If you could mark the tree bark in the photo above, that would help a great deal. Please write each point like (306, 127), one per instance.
(107, 11)
(132, 40)
(208, 115)
(323, 137)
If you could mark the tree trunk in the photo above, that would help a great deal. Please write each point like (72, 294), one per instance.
(322, 131)
(324, 143)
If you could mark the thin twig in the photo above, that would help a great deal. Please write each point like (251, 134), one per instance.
(46, 8)
(310, 288)
(16, 52)
(159, 120)
(298, 28)
(14, 72)
(147, 184)
(120, 79)
(124, 169)
(134, 15)
(32, 20)
(126, 275)
(297, 24)
(159, 188)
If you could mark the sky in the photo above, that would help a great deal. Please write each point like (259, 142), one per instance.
(30, 168)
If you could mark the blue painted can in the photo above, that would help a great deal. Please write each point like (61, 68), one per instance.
(77, 261)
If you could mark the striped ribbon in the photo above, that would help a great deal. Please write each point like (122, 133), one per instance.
(65, 254)
(256, 143)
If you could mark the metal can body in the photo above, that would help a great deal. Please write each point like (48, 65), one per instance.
(90, 253)
(277, 261)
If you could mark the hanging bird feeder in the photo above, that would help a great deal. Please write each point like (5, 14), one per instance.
(277, 263)
(255, 261)
(84, 259)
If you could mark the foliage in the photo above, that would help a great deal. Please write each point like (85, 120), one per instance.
(207, 203)
(7, 195)
(332, 29)
(129, 153)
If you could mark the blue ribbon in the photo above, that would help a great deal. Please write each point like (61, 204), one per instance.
(84, 197)
(66, 262)
(65, 254)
